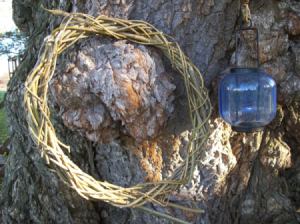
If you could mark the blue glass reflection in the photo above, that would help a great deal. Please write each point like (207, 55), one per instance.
(247, 99)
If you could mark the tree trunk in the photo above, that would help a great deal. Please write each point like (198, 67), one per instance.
(137, 133)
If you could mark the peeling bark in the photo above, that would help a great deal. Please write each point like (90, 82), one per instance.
(113, 89)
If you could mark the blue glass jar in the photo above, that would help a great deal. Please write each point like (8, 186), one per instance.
(247, 99)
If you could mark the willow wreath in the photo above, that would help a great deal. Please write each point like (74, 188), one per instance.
(77, 26)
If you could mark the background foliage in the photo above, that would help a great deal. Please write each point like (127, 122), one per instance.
(12, 42)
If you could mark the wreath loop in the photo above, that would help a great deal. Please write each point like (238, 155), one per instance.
(74, 27)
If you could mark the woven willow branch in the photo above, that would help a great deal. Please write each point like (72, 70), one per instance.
(77, 26)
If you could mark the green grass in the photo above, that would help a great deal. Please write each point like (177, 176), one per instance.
(3, 121)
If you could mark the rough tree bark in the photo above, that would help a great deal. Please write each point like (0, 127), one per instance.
(123, 111)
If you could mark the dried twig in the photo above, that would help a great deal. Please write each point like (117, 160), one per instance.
(78, 26)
